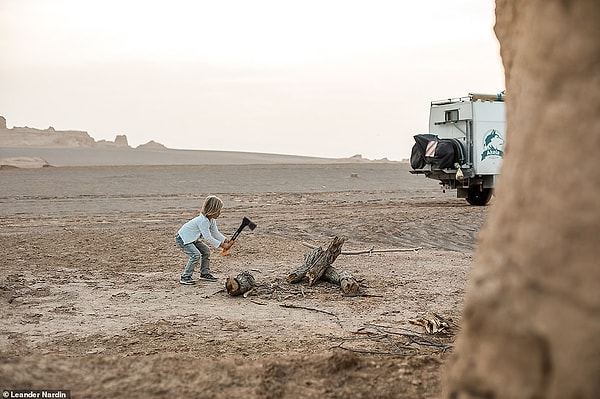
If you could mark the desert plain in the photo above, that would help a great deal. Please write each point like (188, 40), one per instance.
(91, 300)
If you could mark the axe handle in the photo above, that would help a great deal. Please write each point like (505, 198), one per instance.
(223, 250)
(239, 230)
(237, 233)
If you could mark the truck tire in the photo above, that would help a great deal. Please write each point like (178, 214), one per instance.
(479, 196)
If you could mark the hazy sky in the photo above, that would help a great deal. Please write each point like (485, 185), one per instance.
(324, 78)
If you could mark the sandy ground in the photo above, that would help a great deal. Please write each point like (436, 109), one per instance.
(91, 300)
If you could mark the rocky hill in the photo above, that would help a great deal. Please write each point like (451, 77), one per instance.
(51, 138)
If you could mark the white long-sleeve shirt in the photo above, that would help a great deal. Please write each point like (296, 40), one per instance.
(201, 226)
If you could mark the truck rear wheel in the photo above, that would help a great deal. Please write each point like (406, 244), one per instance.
(477, 195)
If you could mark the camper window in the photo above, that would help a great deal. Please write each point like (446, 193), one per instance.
(451, 115)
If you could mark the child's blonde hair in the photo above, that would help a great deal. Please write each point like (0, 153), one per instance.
(212, 205)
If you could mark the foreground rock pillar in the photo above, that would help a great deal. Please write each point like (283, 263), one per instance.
(531, 322)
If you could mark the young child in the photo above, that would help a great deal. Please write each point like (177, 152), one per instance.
(188, 239)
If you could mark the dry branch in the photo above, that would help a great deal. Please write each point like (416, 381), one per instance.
(285, 305)
(369, 251)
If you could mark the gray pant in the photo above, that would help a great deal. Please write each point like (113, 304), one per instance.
(195, 250)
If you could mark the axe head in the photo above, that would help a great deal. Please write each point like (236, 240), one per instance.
(247, 222)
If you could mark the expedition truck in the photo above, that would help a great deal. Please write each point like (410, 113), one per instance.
(465, 145)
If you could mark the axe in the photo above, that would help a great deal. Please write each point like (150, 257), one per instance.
(245, 222)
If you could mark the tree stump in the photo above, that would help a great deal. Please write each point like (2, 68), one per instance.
(345, 280)
(317, 265)
(324, 260)
(243, 283)
(300, 273)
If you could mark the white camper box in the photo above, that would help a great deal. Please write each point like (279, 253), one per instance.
(465, 145)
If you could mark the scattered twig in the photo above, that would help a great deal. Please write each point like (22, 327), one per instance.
(285, 305)
(362, 295)
(368, 352)
(415, 337)
(378, 332)
(257, 302)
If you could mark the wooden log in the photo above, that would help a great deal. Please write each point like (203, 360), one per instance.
(300, 273)
(345, 280)
(324, 260)
(241, 284)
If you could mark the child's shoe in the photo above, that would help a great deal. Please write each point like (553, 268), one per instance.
(208, 277)
(187, 281)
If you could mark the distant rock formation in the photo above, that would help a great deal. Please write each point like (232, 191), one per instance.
(31, 137)
(151, 145)
(360, 158)
(120, 142)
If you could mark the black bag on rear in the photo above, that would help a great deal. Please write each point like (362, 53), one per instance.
(444, 155)
(430, 149)
(417, 157)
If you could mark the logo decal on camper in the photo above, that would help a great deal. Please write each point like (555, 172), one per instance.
(493, 145)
